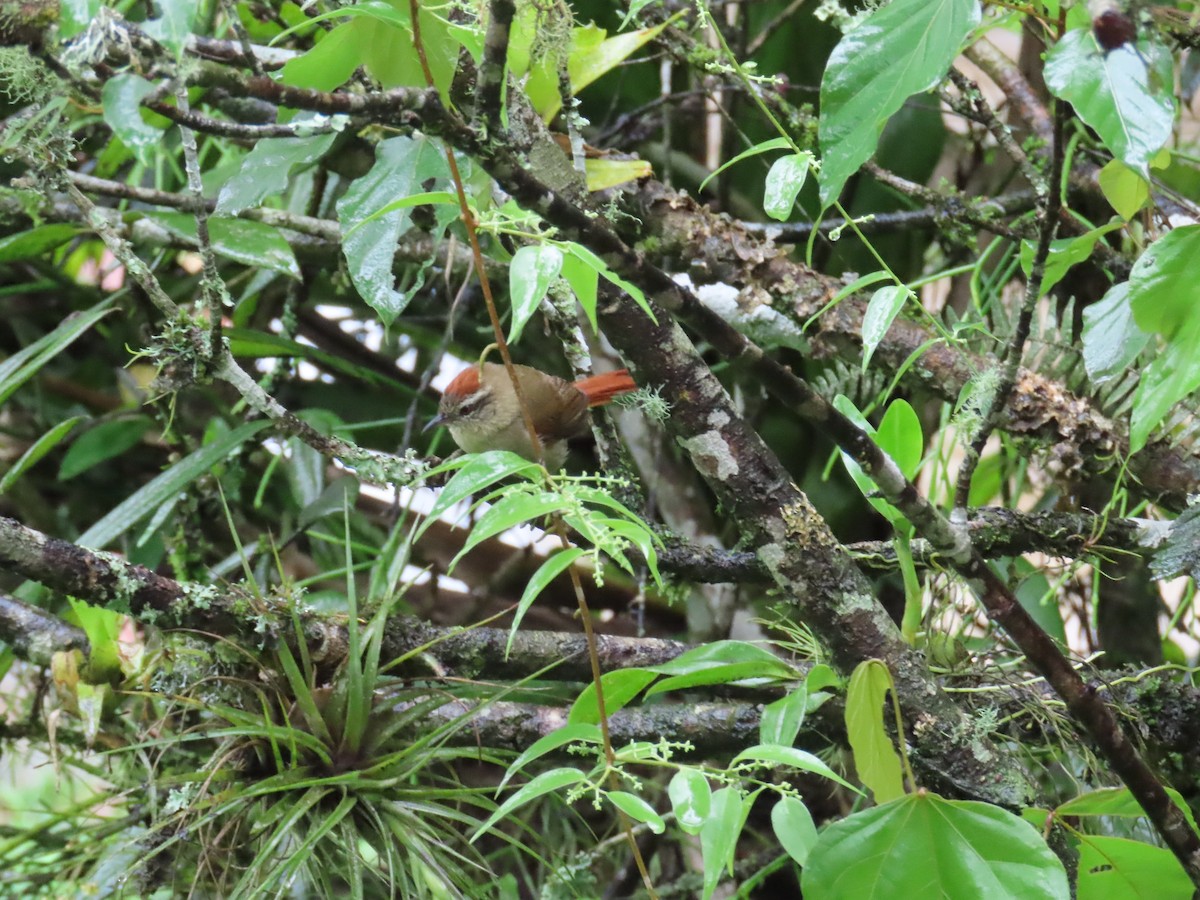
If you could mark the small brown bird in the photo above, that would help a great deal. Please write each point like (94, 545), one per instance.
(480, 408)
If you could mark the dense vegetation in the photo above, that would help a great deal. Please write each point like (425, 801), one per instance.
(882, 583)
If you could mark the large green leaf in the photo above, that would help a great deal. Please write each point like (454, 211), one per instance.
(902, 49)
(265, 170)
(402, 167)
(121, 98)
(922, 845)
(1164, 295)
(1112, 340)
(1112, 868)
(1130, 105)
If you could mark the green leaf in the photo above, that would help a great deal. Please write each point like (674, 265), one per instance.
(1165, 297)
(266, 169)
(638, 810)
(546, 783)
(782, 718)
(590, 56)
(121, 98)
(620, 687)
(1112, 868)
(36, 241)
(1112, 340)
(28, 361)
(875, 758)
(1124, 189)
(794, 828)
(590, 260)
(1127, 103)
(1118, 802)
(779, 755)
(254, 244)
(924, 846)
(1064, 254)
(515, 509)
(719, 836)
(530, 274)
(1037, 596)
(778, 143)
(884, 306)
(172, 28)
(901, 49)
(403, 166)
(748, 674)
(75, 16)
(475, 472)
(605, 172)
(104, 441)
(691, 799)
(328, 65)
(899, 436)
(578, 733)
(584, 281)
(546, 573)
(40, 448)
(785, 178)
(161, 489)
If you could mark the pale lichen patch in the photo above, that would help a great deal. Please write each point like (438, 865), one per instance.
(710, 454)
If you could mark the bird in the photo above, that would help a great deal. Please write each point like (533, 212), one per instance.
(481, 410)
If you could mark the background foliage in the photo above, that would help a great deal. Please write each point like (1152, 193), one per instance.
(887, 572)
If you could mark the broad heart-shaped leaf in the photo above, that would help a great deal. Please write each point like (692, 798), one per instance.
(1165, 297)
(121, 98)
(925, 846)
(1111, 337)
(901, 49)
(402, 166)
(1131, 107)
(265, 170)
(691, 799)
(252, 243)
(794, 828)
(874, 756)
(1112, 868)
(530, 274)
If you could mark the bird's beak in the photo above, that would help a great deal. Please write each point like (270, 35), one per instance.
(437, 420)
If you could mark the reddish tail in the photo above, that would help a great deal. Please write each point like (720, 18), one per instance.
(601, 389)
